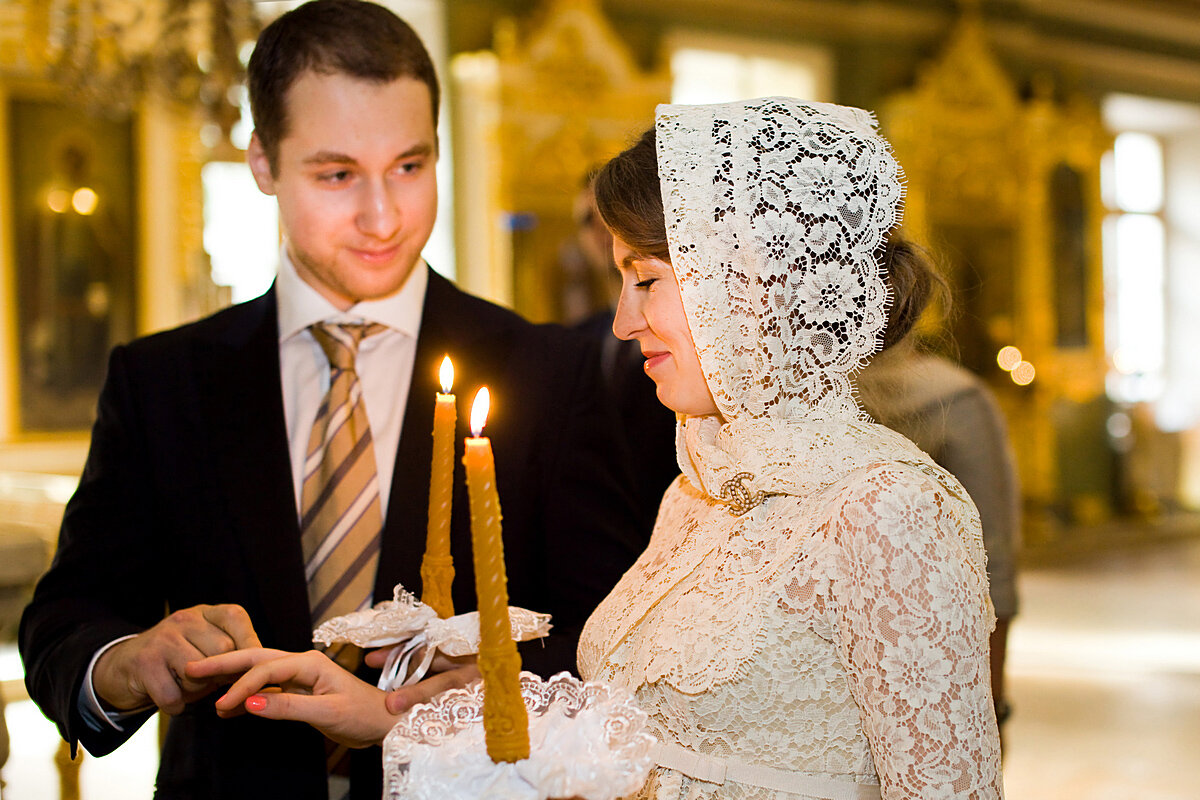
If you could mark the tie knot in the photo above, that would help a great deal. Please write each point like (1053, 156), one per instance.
(340, 340)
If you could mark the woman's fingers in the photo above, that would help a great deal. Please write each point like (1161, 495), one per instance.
(406, 697)
(316, 710)
(341, 706)
(295, 672)
(231, 664)
(377, 658)
(444, 663)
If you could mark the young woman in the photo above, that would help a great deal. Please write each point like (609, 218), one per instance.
(810, 619)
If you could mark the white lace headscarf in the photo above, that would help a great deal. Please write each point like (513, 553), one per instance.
(777, 212)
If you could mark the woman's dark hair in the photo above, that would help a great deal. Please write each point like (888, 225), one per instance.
(630, 200)
(629, 197)
(914, 281)
(349, 37)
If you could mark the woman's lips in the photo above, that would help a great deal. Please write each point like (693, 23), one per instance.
(653, 359)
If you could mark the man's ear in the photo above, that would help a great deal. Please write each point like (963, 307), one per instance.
(260, 165)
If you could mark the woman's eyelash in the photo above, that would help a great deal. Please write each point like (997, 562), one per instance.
(646, 283)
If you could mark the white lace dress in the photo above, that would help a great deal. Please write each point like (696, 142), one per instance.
(810, 619)
(822, 643)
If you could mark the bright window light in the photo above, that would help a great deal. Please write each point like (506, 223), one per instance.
(241, 230)
(1140, 291)
(701, 75)
(720, 71)
(1155, 169)
(240, 133)
(1138, 173)
(1137, 306)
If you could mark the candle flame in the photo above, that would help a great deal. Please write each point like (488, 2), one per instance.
(479, 411)
(446, 375)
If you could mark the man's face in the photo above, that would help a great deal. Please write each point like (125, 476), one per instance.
(356, 182)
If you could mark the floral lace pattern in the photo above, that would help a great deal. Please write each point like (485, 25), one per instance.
(386, 623)
(399, 620)
(776, 214)
(415, 630)
(587, 740)
(837, 627)
(852, 646)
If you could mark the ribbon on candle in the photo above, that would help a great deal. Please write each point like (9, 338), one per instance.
(505, 720)
(437, 566)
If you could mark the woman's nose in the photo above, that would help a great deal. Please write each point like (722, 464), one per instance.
(628, 319)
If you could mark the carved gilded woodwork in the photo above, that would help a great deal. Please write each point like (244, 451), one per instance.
(535, 114)
(1006, 190)
(172, 271)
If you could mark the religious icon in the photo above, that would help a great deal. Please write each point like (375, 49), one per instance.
(73, 209)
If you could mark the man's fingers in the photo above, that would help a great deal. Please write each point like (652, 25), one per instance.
(200, 628)
(153, 666)
(162, 688)
(404, 698)
(234, 621)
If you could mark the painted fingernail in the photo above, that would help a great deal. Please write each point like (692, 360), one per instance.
(256, 702)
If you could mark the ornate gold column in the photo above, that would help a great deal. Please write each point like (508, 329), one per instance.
(533, 116)
(1006, 191)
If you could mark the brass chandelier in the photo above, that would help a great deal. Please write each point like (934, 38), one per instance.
(112, 52)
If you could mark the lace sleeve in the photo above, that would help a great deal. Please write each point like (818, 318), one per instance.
(912, 619)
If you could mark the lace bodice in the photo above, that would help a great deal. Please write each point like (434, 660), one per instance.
(842, 635)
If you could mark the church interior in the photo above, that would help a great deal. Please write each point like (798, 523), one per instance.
(1052, 156)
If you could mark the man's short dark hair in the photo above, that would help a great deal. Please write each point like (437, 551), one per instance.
(348, 37)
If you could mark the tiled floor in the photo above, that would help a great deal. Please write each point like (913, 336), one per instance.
(1105, 677)
(1105, 680)
(127, 774)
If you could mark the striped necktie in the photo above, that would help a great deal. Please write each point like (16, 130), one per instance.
(340, 513)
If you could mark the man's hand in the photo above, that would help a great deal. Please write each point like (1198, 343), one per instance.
(150, 667)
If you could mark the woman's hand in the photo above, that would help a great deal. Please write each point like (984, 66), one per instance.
(400, 700)
(311, 689)
(445, 672)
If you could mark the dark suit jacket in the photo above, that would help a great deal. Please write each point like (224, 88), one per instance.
(187, 498)
(645, 426)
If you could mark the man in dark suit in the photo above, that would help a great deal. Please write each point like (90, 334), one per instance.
(190, 503)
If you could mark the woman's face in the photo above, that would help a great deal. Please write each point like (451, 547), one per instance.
(650, 311)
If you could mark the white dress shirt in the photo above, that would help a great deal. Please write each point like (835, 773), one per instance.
(384, 367)
(384, 364)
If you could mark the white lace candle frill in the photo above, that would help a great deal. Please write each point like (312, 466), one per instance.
(587, 740)
(410, 627)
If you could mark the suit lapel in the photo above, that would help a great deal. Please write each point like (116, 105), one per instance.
(244, 399)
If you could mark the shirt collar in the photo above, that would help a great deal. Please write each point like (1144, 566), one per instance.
(300, 305)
